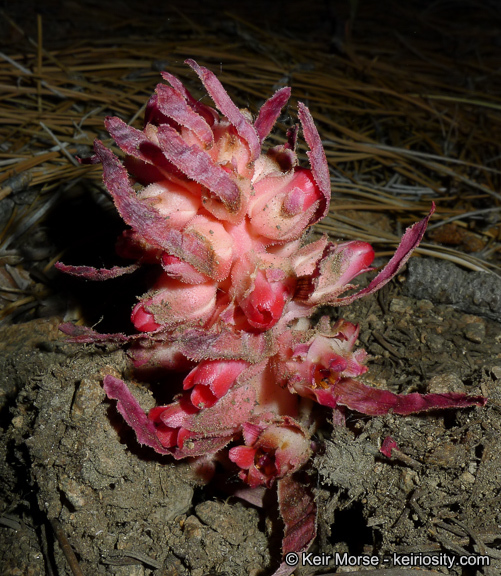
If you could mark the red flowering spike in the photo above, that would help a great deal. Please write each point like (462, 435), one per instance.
(236, 283)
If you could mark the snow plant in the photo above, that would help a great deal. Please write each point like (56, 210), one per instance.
(224, 223)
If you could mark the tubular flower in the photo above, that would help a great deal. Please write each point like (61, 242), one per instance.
(224, 223)
(270, 452)
(211, 379)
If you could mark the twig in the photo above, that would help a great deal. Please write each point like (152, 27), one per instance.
(66, 547)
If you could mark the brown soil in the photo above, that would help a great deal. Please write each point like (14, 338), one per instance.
(72, 473)
(68, 456)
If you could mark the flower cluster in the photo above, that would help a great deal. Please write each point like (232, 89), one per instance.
(224, 222)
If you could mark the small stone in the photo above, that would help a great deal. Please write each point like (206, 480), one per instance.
(222, 519)
(496, 372)
(475, 331)
(467, 477)
(88, 396)
(17, 421)
(76, 493)
(400, 305)
(443, 383)
(446, 455)
(193, 528)
(424, 305)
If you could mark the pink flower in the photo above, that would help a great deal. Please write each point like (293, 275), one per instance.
(169, 422)
(271, 451)
(337, 267)
(261, 285)
(211, 379)
(224, 223)
(317, 365)
(174, 303)
(178, 204)
(285, 204)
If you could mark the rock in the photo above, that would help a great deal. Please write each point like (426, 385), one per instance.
(445, 283)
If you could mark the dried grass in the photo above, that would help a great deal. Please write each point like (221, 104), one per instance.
(403, 120)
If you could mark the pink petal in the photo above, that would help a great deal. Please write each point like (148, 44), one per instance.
(305, 260)
(96, 273)
(201, 446)
(148, 223)
(137, 144)
(145, 220)
(218, 375)
(133, 246)
(227, 415)
(216, 241)
(375, 402)
(175, 415)
(254, 496)
(207, 112)
(198, 166)
(410, 241)
(173, 303)
(243, 456)
(133, 414)
(223, 343)
(173, 105)
(167, 436)
(388, 445)
(178, 204)
(284, 205)
(175, 268)
(290, 442)
(270, 111)
(214, 87)
(264, 305)
(339, 264)
(202, 397)
(299, 513)
(318, 161)
(143, 320)
(83, 334)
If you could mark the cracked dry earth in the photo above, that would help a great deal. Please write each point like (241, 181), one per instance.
(67, 456)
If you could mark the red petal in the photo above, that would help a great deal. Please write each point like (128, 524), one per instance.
(243, 456)
(299, 513)
(133, 414)
(225, 104)
(96, 273)
(270, 111)
(410, 241)
(375, 402)
(318, 161)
